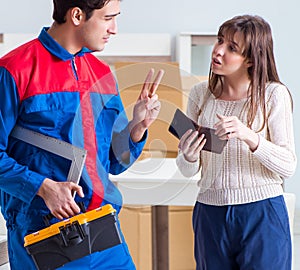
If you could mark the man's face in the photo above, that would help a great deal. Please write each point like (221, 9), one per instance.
(95, 32)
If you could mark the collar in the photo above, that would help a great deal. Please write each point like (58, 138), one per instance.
(56, 49)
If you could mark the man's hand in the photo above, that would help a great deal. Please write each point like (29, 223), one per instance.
(147, 106)
(58, 197)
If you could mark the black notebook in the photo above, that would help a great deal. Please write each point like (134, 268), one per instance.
(181, 123)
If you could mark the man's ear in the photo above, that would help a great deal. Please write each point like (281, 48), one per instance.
(77, 15)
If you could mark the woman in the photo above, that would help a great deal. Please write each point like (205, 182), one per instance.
(240, 218)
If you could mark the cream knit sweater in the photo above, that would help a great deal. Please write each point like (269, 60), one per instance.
(237, 175)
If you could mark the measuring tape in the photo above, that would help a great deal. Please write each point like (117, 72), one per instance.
(61, 148)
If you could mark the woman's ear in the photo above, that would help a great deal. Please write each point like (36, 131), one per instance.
(248, 63)
(77, 15)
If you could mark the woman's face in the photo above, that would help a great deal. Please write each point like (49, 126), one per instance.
(227, 58)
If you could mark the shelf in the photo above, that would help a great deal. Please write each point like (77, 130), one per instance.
(185, 41)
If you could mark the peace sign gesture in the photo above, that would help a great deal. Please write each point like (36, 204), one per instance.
(147, 106)
(149, 88)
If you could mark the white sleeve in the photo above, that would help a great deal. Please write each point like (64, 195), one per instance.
(277, 153)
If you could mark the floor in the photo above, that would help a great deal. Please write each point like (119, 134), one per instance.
(296, 244)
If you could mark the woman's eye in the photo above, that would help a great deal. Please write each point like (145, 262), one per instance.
(232, 48)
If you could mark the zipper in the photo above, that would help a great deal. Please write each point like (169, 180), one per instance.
(74, 67)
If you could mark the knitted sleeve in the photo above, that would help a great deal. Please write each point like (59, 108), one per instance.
(277, 153)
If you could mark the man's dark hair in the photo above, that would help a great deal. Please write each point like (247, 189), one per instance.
(87, 6)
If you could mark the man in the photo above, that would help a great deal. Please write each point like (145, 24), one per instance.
(55, 86)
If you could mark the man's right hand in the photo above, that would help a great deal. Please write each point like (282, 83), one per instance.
(58, 197)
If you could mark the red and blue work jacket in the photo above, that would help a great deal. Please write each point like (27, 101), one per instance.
(73, 98)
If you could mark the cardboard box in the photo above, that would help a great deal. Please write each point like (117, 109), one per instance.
(131, 77)
(187, 83)
(181, 238)
(136, 227)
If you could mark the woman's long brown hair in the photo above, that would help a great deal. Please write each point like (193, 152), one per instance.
(258, 50)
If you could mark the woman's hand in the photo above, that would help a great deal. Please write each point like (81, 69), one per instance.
(191, 145)
(231, 127)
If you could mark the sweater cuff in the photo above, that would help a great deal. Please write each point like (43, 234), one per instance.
(262, 151)
(187, 168)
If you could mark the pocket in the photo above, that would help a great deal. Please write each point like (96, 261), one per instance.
(65, 101)
(280, 213)
(195, 216)
(29, 155)
(49, 111)
(105, 128)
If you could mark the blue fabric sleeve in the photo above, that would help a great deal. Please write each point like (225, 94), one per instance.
(15, 179)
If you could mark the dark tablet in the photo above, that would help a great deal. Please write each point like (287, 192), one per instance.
(181, 123)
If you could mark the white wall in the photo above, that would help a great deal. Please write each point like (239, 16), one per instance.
(166, 16)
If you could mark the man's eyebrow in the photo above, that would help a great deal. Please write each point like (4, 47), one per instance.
(112, 15)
